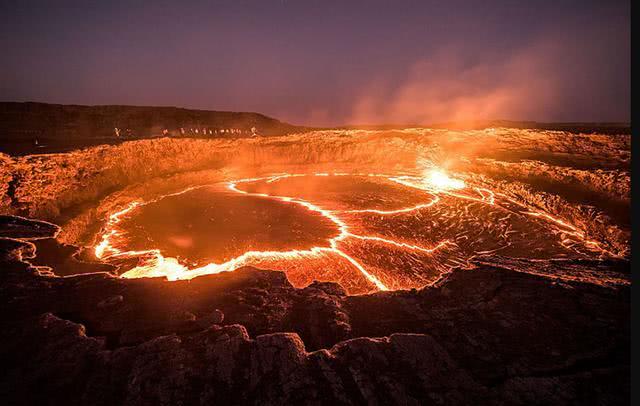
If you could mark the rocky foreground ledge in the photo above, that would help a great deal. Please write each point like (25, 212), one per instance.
(484, 336)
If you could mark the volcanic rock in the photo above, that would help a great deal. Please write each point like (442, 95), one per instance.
(112, 301)
(489, 335)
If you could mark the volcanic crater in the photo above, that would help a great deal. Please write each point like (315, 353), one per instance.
(326, 261)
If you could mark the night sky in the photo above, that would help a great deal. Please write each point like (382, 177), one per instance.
(326, 62)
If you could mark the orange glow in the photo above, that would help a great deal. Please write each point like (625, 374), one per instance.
(440, 180)
(435, 183)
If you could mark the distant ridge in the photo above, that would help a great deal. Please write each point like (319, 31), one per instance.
(28, 120)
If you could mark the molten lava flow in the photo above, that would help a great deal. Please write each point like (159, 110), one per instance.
(434, 185)
(440, 180)
(106, 248)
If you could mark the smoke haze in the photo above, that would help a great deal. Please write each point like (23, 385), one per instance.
(327, 63)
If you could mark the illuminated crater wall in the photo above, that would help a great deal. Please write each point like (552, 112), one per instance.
(370, 210)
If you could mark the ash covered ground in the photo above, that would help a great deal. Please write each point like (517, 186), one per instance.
(332, 267)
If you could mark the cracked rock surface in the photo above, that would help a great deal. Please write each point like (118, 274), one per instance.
(484, 336)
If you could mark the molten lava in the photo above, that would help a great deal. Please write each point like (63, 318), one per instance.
(391, 232)
(440, 180)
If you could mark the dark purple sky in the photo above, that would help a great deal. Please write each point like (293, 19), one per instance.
(326, 62)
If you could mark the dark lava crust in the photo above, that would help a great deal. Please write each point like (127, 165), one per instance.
(483, 336)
